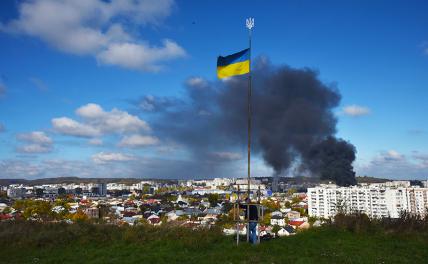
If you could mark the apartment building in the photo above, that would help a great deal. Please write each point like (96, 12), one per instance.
(374, 200)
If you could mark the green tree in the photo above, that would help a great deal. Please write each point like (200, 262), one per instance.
(182, 218)
(275, 229)
(79, 216)
(7, 210)
(266, 219)
(270, 205)
(295, 200)
(146, 189)
(41, 210)
(213, 198)
(291, 191)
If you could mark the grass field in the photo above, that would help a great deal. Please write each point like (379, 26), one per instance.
(86, 243)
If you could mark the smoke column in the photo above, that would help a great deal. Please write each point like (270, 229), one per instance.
(293, 120)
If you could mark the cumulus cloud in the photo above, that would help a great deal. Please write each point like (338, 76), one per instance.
(98, 28)
(90, 111)
(104, 157)
(227, 156)
(37, 137)
(97, 122)
(422, 158)
(18, 169)
(392, 155)
(135, 141)
(36, 142)
(196, 82)
(394, 165)
(95, 141)
(53, 168)
(110, 122)
(70, 127)
(140, 56)
(115, 166)
(34, 148)
(150, 103)
(356, 110)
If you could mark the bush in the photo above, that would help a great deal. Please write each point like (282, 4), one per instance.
(359, 222)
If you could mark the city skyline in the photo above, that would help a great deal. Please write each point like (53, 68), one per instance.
(82, 93)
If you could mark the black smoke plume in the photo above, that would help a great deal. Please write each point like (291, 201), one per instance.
(293, 121)
(332, 159)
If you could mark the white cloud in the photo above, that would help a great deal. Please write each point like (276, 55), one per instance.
(113, 121)
(37, 137)
(90, 111)
(97, 28)
(53, 168)
(392, 155)
(97, 122)
(196, 82)
(67, 126)
(34, 148)
(394, 165)
(140, 56)
(356, 110)
(114, 166)
(38, 142)
(136, 140)
(18, 169)
(104, 157)
(148, 103)
(227, 156)
(96, 141)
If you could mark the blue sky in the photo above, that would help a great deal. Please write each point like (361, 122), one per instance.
(70, 70)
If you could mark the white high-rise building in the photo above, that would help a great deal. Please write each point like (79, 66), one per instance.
(376, 201)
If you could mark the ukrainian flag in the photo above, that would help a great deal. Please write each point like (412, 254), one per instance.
(235, 64)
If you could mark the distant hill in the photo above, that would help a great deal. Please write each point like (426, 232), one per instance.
(68, 180)
(368, 179)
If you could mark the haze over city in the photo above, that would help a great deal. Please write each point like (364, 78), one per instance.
(129, 89)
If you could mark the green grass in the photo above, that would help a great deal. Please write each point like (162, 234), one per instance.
(85, 243)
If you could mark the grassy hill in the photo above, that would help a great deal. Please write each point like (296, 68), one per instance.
(25, 242)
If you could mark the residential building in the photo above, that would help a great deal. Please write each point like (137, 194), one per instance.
(277, 220)
(16, 192)
(386, 200)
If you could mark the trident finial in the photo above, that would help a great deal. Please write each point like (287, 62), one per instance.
(249, 22)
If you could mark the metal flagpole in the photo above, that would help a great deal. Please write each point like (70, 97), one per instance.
(250, 24)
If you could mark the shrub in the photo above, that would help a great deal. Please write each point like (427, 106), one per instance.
(359, 222)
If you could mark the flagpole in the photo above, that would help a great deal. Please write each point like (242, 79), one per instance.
(250, 24)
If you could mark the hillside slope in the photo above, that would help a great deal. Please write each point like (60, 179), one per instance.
(85, 243)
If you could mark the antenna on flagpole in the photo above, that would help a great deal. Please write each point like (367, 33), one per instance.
(249, 22)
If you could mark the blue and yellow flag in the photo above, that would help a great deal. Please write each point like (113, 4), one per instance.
(235, 64)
